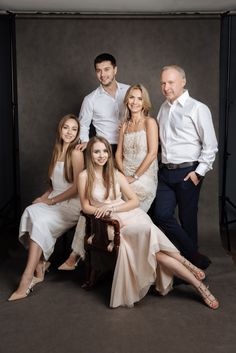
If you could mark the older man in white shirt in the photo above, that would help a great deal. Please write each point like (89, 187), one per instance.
(188, 149)
(104, 107)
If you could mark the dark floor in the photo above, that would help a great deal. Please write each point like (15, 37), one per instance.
(59, 316)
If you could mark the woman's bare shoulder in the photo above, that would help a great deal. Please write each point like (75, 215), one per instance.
(77, 154)
(83, 175)
(119, 175)
(124, 126)
(151, 124)
(151, 121)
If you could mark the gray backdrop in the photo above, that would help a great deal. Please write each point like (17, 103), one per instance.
(55, 71)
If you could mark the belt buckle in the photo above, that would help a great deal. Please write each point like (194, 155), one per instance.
(171, 166)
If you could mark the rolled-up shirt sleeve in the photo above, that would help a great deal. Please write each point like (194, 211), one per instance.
(206, 131)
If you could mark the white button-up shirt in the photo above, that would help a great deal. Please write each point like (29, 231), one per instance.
(187, 133)
(106, 113)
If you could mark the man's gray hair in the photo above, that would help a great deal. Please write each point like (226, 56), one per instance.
(177, 68)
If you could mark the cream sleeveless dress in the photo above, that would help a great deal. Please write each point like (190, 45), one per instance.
(44, 223)
(136, 267)
(134, 152)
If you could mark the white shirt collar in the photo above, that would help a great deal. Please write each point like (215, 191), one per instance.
(181, 99)
(102, 90)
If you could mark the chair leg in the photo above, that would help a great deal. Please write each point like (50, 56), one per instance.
(92, 280)
(92, 275)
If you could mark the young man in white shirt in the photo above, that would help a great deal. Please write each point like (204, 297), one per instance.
(188, 149)
(104, 106)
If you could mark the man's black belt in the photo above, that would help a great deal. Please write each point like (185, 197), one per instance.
(178, 166)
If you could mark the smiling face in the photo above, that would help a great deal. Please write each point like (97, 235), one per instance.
(99, 153)
(135, 101)
(106, 73)
(69, 130)
(172, 84)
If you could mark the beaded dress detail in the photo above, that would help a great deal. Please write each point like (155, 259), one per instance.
(134, 152)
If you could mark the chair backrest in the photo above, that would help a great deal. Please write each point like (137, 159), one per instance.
(102, 233)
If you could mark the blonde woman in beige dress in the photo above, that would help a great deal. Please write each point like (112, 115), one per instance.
(136, 154)
(146, 256)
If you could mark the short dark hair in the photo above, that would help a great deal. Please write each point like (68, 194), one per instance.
(104, 57)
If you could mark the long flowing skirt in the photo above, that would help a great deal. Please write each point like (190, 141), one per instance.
(44, 224)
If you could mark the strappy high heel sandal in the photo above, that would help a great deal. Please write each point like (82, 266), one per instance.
(45, 267)
(208, 298)
(17, 296)
(197, 272)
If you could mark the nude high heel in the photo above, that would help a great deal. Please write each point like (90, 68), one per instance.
(45, 267)
(197, 272)
(208, 298)
(66, 266)
(17, 296)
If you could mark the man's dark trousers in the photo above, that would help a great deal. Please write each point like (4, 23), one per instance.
(173, 191)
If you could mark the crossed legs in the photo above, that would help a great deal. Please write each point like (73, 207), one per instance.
(182, 268)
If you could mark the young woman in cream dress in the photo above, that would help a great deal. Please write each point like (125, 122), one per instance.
(54, 212)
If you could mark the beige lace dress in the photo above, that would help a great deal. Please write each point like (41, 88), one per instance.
(134, 152)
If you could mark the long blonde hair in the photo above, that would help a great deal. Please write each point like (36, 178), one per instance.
(58, 147)
(108, 168)
(146, 100)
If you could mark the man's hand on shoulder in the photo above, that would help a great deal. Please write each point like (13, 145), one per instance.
(81, 146)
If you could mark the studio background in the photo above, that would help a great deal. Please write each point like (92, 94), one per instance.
(55, 71)
(55, 54)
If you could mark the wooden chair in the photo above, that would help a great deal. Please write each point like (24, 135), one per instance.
(101, 243)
